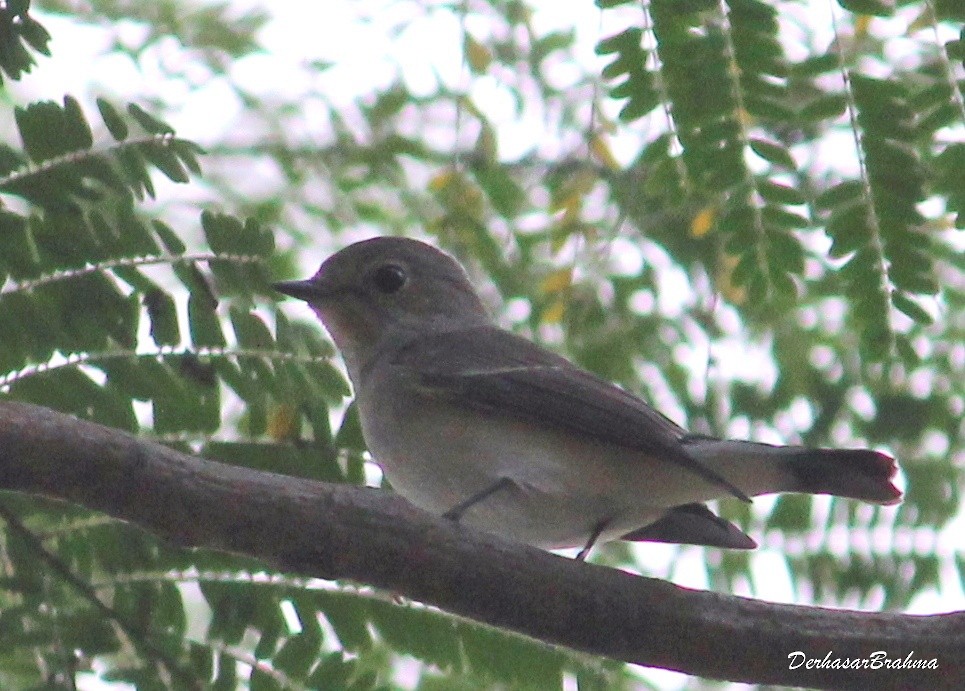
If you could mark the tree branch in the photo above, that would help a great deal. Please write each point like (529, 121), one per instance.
(345, 532)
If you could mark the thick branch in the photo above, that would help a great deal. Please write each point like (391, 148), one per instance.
(337, 531)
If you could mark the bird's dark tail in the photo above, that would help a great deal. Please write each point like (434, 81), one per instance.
(762, 468)
(854, 473)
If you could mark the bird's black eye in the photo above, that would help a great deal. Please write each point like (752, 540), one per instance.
(389, 278)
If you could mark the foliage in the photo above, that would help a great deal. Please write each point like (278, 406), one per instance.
(842, 272)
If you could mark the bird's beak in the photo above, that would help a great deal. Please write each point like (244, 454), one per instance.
(303, 290)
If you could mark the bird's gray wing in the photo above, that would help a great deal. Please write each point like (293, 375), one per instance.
(486, 368)
(693, 524)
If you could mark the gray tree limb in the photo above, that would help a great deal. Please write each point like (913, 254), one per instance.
(345, 532)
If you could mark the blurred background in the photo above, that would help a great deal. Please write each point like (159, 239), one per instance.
(748, 213)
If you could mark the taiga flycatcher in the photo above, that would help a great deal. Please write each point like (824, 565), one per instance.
(475, 423)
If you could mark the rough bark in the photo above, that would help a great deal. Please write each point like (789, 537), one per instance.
(345, 532)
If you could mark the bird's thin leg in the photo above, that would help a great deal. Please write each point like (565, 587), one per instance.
(456, 512)
(594, 536)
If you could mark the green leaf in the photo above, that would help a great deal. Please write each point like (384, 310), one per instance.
(17, 8)
(784, 218)
(627, 40)
(112, 120)
(788, 249)
(162, 314)
(911, 308)
(297, 656)
(34, 33)
(779, 193)
(164, 159)
(504, 193)
(78, 131)
(172, 243)
(149, 122)
(772, 152)
(250, 330)
(849, 228)
(203, 322)
(607, 4)
(817, 64)
(827, 107)
(879, 8)
(349, 435)
(768, 108)
(187, 152)
(334, 672)
(135, 169)
(847, 192)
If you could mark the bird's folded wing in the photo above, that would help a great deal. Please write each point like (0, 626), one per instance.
(693, 524)
(485, 368)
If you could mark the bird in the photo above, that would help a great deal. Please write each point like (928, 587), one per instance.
(480, 425)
